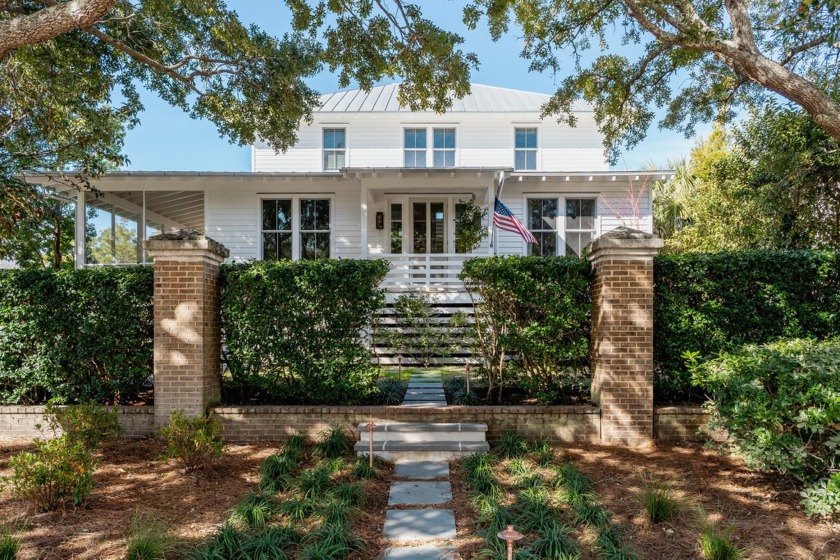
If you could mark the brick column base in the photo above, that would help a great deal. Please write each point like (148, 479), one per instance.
(187, 369)
(622, 334)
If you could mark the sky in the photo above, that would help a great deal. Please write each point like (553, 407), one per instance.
(167, 139)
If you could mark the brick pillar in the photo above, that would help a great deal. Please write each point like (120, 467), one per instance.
(622, 334)
(187, 337)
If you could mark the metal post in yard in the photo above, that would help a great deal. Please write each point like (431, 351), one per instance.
(370, 442)
(468, 378)
(399, 367)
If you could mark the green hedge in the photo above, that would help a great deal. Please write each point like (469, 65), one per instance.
(708, 303)
(296, 332)
(780, 405)
(75, 335)
(536, 310)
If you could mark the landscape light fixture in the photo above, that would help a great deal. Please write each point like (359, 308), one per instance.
(510, 536)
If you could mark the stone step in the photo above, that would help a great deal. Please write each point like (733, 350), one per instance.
(422, 470)
(398, 451)
(424, 403)
(425, 397)
(420, 553)
(419, 493)
(410, 525)
(425, 433)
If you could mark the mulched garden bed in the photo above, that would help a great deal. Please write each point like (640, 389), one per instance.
(762, 509)
(131, 477)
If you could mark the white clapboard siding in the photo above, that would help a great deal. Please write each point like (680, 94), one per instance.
(233, 213)
(618, 203)
(482, 140)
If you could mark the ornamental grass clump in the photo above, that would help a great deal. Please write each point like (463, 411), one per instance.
(659, 502)
(196, 442)
(334, 443)
(253, 511)
(511, 445)
(716, 544)
(9, 544)
(148, 538)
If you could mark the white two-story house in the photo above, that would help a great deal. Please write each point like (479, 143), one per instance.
(371, 179)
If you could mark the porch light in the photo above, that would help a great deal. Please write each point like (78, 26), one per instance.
(510, 536)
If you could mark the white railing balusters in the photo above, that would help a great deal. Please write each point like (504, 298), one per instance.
(429, 272)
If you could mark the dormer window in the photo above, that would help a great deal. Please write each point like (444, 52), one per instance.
(415, 147)
(525, 151)
(335, 148)
(444, 147)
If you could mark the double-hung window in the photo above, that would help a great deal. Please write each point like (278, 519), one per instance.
(525, 149)
(443, 148)
(580, 224)
(542, 222)
(545, 220)
(335, 148)
(296, 228)
(277, 229)
(415, 147)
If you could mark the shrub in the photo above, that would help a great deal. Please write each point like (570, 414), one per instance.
(195, 443)
(297, 331)
(88, 424)
(780, 405)
(148, 539)
(535, 310)
(75, 335)
(708, 303)
(58, 471)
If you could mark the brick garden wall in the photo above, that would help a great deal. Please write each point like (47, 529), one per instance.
(20, 422)
(275, 423)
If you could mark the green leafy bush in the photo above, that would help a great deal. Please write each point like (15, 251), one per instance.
(75, 335)
(780, 405)
(708, 303)
(60, 470)
(195, 443)
(390, 391)
(88, 424)
(296, 332)
(535, 310)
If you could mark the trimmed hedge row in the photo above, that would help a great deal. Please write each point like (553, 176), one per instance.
(710, 303)
(297, 332)
(536, 310)
(75, 335)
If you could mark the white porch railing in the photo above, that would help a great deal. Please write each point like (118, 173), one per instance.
(424, 272)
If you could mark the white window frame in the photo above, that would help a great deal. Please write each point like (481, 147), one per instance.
(537, 151)
(561, 210)
(595, 220)
(424, 151)
(526, 214)
(324, 128)
(296, 229)
(453, 150)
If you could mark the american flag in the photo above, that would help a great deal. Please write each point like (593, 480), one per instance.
(504, 219)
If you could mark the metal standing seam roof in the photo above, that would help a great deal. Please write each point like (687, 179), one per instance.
(481, 99)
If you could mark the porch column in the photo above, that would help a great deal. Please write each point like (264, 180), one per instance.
(187, 368)
(363, 211)
(622, 334)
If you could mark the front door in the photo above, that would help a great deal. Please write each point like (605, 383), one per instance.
(428, 227)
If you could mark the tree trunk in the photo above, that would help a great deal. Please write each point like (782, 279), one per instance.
(775, 77)
(49, 23)
(57, 238)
